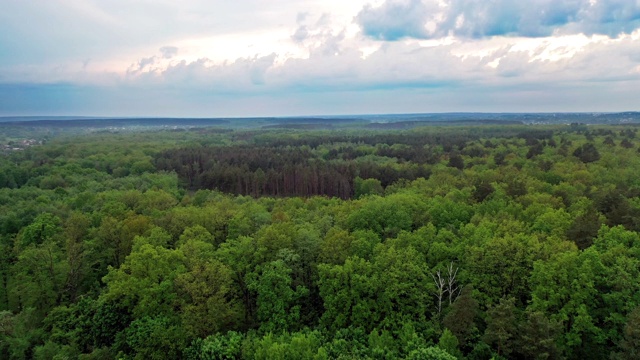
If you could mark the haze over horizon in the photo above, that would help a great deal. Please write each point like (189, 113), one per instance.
(199, 58)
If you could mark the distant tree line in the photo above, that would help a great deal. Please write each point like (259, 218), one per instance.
(283, 171)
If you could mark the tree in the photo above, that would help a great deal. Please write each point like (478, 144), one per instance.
(145, 281)
(538, 337)
(440, 289)
(216, 347)
(402, 287)
(585, 228)
(114, 238)
(385, 216)
(110, 318)
(430, 353)
(197, 233)
(336, 246)
(155, 337)
(456, 161)
(566, 288)
(445, 212)
(449, 343)
(207, 304)
(625, 143)
(501, 326)
(38, 277)
(43, 228)
(348, 292)
(76, 231)
(299, 345)
(446, 285)
(461, 318)
(609, 141)
(482, 190)
(501, 266)
(535, 150)
(241, 257)
(277, 301)
(365, 187)
(630, 345)
(587, 153)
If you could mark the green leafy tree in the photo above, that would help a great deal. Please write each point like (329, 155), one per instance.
(385, 216)
(585, 228)
(587, 153)
(537, 337)
(114, 238)
(449, 343)
(111, 317)
(216, 347)
(38, 277)
(502, 266)
(336, 246)
(430, 353)
(348, 293)
(365, 187)
(630, 344)
(456, 161)
(240, 255)
(155, 338)
(382, 345)
(565, 287)
(145, 281)
(461, 318)
(208, 306)
(299, 345)
(44, 227)
(402, 287)
(76, 233)
(502, 328)
(278, 306)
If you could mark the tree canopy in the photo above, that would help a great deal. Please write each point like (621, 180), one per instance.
(432, 243)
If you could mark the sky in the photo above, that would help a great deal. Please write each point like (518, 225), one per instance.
(210, 58)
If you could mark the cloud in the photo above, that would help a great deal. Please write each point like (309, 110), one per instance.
(142, 64)
(168, 51)
(244, 75)
(395, 56)
(477, 18)
(425, 19)
(495, 74)
(301, 34)
(499, 65)
(301, 17)
(609, 17)
(395, 19)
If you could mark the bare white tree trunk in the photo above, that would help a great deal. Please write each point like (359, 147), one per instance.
(440, 288)
(452, 287)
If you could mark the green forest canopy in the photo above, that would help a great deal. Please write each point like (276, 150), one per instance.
(433, 243)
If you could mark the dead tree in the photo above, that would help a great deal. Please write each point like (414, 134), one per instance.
(441, 284)
(453, 289)
(446, 285)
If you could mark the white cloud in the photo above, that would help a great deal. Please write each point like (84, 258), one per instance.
(398, 19)
(434, 52)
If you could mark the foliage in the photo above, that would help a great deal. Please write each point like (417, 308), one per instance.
(434, 243)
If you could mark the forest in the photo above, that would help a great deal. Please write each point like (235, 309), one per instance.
(435, 242)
